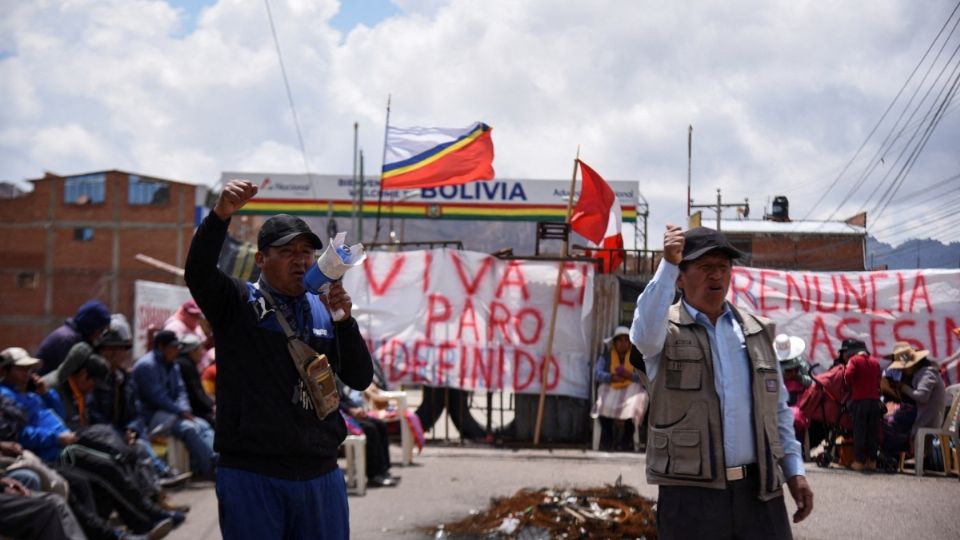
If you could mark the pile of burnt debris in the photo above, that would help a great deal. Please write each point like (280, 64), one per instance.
(615, 511)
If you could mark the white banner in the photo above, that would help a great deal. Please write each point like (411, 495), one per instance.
(921, 307)
(467, 320)
(153, 304)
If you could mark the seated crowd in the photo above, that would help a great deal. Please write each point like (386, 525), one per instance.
(866, 409)
(79, 422)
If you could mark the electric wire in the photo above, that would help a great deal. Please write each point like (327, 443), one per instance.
(930, 190)
(897, 131)
(293, 108)
(884, 115)
(891, 191)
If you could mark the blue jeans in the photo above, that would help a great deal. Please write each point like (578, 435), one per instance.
(28, 478)
(255, 506)
(196, 434)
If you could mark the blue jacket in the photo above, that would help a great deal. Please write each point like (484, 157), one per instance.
(160, 386)
(57, 344)
(40, 436)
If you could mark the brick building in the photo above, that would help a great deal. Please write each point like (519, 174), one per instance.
(76, 237)
(798, 245)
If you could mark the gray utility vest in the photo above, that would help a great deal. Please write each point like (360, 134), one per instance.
(685, 443)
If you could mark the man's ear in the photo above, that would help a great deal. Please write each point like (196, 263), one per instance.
(258, 258)
(680, 281)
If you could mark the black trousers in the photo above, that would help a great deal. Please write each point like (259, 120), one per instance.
(432, 407)
(40, 517)
(377, 448)
(84, 503)
(735, 512)
(616, 434)
(115, 488)
(866, 428)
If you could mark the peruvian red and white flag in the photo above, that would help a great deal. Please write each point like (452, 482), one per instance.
(597, 217)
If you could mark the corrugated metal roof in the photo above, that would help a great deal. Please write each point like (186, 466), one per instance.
(791, 227)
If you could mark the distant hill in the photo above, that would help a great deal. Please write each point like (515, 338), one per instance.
(915, 253)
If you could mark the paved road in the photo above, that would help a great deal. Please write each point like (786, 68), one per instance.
(446, 483)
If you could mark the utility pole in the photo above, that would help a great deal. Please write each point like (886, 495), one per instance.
(643, 211)
(689, 166)
(356, 128)
(360, 213)
(719, 206)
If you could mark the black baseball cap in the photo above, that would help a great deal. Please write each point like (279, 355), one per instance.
(164, 338)
(852, 345)
(702, 240)
(281, 229)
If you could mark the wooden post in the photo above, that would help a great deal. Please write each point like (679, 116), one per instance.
(553, 313)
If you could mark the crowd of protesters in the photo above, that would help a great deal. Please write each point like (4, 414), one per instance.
(80, 423)
(873, 405)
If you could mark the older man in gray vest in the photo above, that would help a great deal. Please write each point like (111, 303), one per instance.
(721, 438)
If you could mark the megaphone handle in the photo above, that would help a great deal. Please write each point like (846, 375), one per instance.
(339, 314)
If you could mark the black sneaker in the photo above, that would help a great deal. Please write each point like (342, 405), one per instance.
(160, 529)
(384, 480)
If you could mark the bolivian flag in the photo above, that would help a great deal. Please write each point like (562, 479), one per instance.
(428, 157)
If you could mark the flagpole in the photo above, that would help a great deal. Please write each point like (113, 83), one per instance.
(360, 221)
(355, 206)
(556, 304)
(689, 165)
(386, 131)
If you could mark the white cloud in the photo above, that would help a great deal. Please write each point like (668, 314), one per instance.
(781, 94)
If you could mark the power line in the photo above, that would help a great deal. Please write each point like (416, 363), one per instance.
(945, 227)
(912, 159)
(286, 84)
(897, 131)
(884, 115)
(920, 221)
(931, 189)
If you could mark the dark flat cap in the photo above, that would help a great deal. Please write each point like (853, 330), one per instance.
(702, 240)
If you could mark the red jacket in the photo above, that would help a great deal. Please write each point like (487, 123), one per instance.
(863, 377)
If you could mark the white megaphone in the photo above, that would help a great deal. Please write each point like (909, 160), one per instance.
(331, 265)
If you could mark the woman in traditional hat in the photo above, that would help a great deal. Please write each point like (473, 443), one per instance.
(621, 398)
(917, 384)
(793, 364)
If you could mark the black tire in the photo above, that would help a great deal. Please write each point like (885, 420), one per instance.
(823, 460)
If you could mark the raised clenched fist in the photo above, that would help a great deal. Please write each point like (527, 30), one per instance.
(233, 196)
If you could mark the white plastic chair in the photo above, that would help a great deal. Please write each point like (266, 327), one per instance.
(178, 456)
(947, 433)
(355, 450)
(406, 436)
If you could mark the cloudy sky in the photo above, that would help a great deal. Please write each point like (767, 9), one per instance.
(841, 106)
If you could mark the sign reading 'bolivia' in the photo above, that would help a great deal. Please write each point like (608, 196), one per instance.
(462, 319)
(499, 200)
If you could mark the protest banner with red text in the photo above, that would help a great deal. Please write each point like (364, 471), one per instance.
(921, 307)
(467, 320)
(153, 304)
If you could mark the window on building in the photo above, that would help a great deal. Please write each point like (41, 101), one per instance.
(83, 234)
(144, 191)
(28, 280)
(85, 189)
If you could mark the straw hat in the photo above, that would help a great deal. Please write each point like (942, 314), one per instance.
(904, 356)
